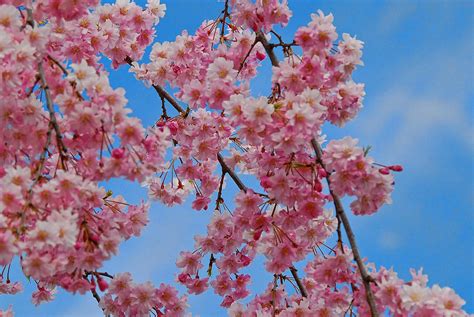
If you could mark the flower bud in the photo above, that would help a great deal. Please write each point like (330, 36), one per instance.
(92, 284)
(103, 285)
(118, 153)
(261, 56)
(322, 172)
(396, 168)
(183, 278)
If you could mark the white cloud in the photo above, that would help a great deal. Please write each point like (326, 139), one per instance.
(393, 16)
(389, 240)
(427, 99)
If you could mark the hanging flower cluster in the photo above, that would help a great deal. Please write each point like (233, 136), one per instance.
(65, 131)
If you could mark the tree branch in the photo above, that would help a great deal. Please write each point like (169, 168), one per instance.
(294, 272)
(96, 296)
(232, 174)
(161, 92)
(268, 48)
(226, 14)
(366, 278)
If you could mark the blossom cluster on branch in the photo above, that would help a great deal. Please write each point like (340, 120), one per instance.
(65, 130)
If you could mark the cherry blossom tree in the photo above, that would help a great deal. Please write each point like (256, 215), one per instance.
(65, 130)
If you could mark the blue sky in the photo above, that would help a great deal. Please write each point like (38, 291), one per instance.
(417, 112)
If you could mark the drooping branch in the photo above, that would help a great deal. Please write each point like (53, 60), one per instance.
(366, 278)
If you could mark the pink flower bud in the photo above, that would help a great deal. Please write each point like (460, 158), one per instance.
(92, 284)
(148, 144)
(173, 126)
(396, 168)
(257, 235)
(265, 182)
(103, 285)
(322, 172)
(118, 153)
(94, 238)
(183, 278)
(245, 260)
(384, 171)
(318, 186)
(261, 56)
(228, 300)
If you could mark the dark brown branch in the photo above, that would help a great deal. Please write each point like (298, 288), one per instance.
(212, 260)
(294, 271)
(161, 92)
(49, 103)
(286, 46)
(29, 17)
(231, 173)
(268, 48)
(55, 61)
(42, 160)
(226, 14)
(96, 296)
(366, 278)
(88, 273)
(30, 21)
(164, 94)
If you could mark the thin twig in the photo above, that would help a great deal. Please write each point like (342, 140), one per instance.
(246, 56)
(52, 115)
(55, 61)
(219, 198)
(96, 296)
(226, 14)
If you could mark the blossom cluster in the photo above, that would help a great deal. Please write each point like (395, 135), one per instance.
(273, 143)
(66, 131)
(205, 71)
(260, 14)
(126, 298)
(353, 174)
(282, 237)
(198, 137)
